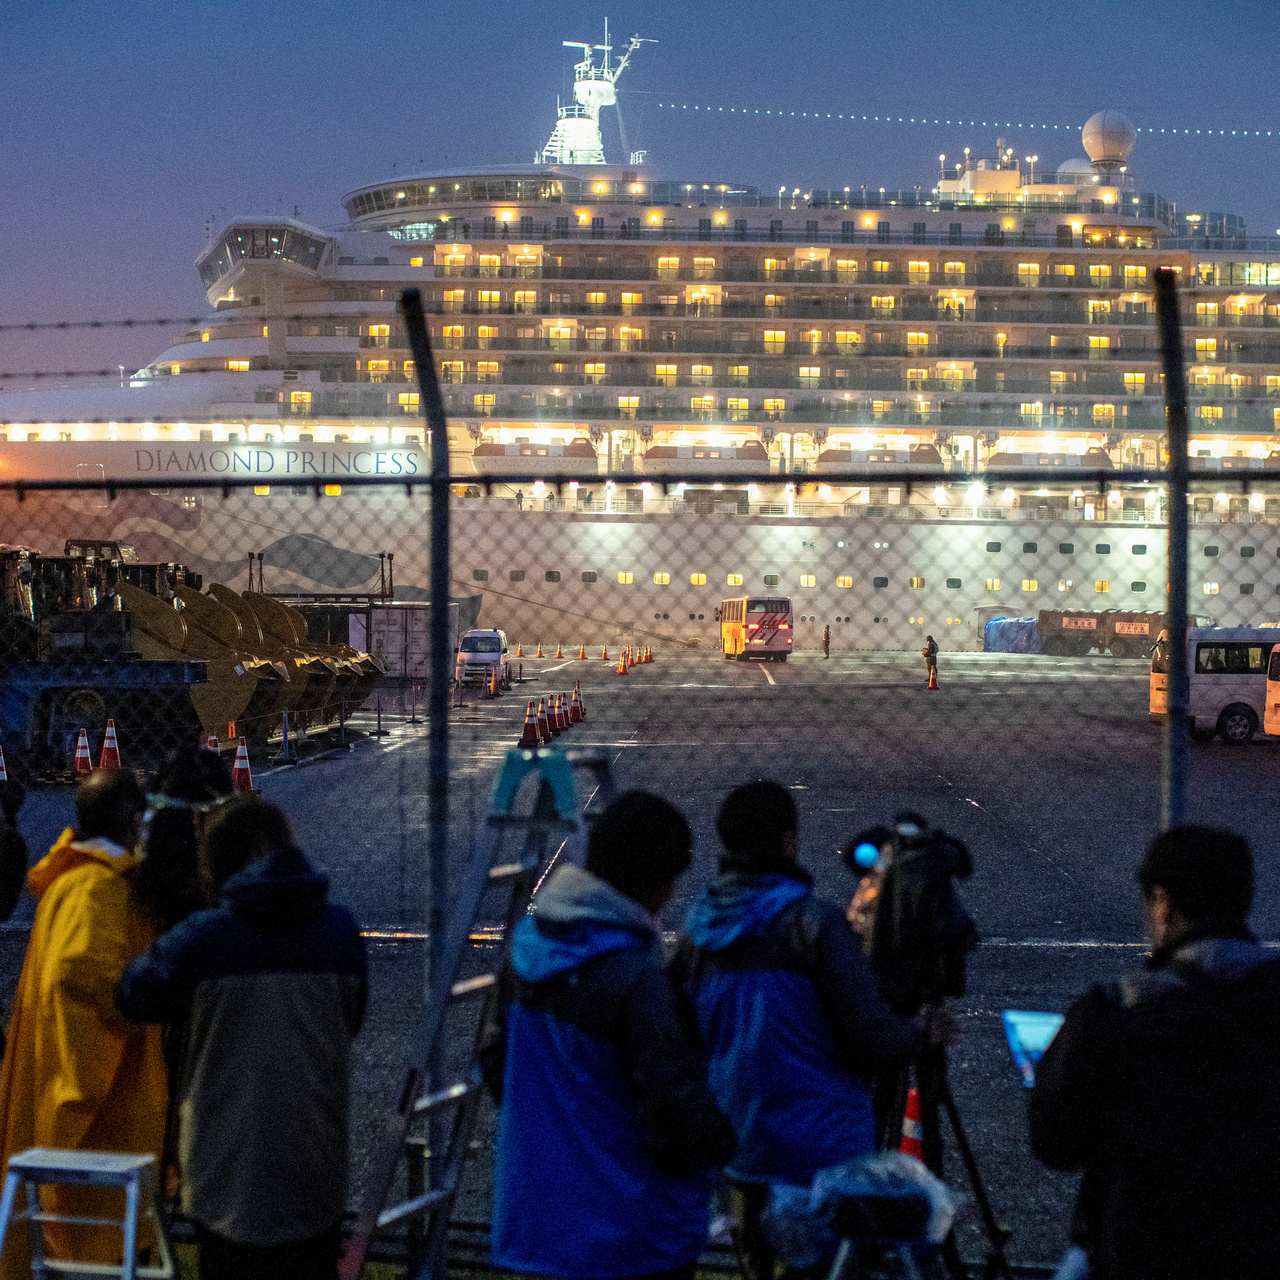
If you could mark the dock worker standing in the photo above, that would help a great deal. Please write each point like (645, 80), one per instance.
(930, 654)
(826, 640)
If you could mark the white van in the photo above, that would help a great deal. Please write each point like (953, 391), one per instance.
(478, 653)
(1228, 669)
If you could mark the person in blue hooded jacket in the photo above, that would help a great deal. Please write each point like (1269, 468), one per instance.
(790, 1011)
(608, 1136)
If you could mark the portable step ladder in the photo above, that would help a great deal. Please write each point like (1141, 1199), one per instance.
(135, 1175)
(520, 840)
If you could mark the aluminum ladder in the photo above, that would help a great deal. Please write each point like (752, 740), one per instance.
(527, 829)
(135, 1175)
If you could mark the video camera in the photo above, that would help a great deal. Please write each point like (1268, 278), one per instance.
(914, 926)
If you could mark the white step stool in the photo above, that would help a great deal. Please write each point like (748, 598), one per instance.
(44, 1166)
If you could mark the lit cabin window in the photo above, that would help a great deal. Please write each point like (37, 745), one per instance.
(625, 577)
(808, 580)
(662, 579)
(697, 579)
(734, 579)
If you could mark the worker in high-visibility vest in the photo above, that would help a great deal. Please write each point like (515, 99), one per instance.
(930, 655)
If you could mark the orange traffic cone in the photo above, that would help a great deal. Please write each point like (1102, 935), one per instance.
(241, 774)
(83, 765)
(649, 654)
(519, 649)
(4, 773)
(529, 737)
(622, 663)
(582, 651)
(562, 710)
(110, 758)
(553, 715)
(912, 1143)
(559, 650)
(576, 713)
(211, 743)
(604, 653)
(493, 682)
(539, 653)
(544, 726)
(933, 677)
(631, 657)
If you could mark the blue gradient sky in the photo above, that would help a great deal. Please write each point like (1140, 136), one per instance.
(127, 125)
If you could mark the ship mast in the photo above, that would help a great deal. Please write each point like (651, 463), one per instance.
(576, 137)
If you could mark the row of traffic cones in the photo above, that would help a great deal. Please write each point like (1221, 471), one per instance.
(629, 658)
(241, 774)
(553, 716)
(646, 654)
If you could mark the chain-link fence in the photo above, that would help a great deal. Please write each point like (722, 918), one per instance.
(713, 630)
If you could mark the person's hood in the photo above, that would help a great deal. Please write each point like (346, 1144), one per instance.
(740, 903)
(68, 853)
(280, 888)
(577, 916)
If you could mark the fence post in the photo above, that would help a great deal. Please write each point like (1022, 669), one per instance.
(1176, 728)
(441, 672)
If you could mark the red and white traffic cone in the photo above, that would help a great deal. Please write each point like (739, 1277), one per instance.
(576, 713)
(241, 774)
(559, 650)
(529, 737)
(604, 653)
(544, 725)
(211, 743)
(912, 1143)
(562, 705)
(582, 651)
(933, 677)
(84, 763)
(622, 663)
(539, 653)
(110, 758)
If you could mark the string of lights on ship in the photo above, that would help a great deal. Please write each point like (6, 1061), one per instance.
(1150, 130)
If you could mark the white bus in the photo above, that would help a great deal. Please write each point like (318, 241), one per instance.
(1228, 669)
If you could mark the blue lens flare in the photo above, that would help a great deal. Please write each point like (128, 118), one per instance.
(866, 855)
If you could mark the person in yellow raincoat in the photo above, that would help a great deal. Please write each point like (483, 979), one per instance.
(76, 1075)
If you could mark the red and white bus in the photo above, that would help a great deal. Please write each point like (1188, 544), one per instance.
(756, 627)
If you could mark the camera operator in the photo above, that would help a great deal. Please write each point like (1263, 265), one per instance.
(789, 1009)
(1163, 1086)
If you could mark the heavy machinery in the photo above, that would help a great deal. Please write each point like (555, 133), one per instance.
(94, 634)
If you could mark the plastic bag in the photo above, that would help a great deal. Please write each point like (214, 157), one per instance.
(884, 1196)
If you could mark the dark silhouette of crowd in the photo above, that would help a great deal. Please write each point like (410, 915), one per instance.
(190, 991)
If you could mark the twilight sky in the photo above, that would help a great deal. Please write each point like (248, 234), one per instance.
(129, 125)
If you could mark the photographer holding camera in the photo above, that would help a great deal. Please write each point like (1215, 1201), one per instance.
(789, 1008)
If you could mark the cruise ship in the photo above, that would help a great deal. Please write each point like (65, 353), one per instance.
(625, 324)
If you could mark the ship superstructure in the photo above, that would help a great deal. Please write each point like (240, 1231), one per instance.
(612, 323)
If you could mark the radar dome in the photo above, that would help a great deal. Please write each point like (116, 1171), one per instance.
(1108, 138)
(1074, 168)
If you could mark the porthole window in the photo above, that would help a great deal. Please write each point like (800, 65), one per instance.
(879, 582)
(1030, 548)
(1138, 586)
(1246, 588)
(480, 575)
(734, 579)
(1102, 585)
(1139, 548)
(993, 546)
(1103, 548)
(844, 581)
(626, 577)
(1067, 548)
(1247, 552)
(770, 579)
(915, 583)
(953, 584)
(588, 575)
(1211, 551)
(698, 579)
(808, 580)
(516, 575)
(661, 579)
(553, 575)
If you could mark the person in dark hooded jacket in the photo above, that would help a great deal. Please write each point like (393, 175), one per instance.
(1162, 1087)
(608, 1137)
(271, 984)
(789, 1008)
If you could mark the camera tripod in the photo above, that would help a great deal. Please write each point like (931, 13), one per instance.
(936, 1097)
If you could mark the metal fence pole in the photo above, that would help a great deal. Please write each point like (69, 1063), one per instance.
(441, 671)
(1176, 730)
